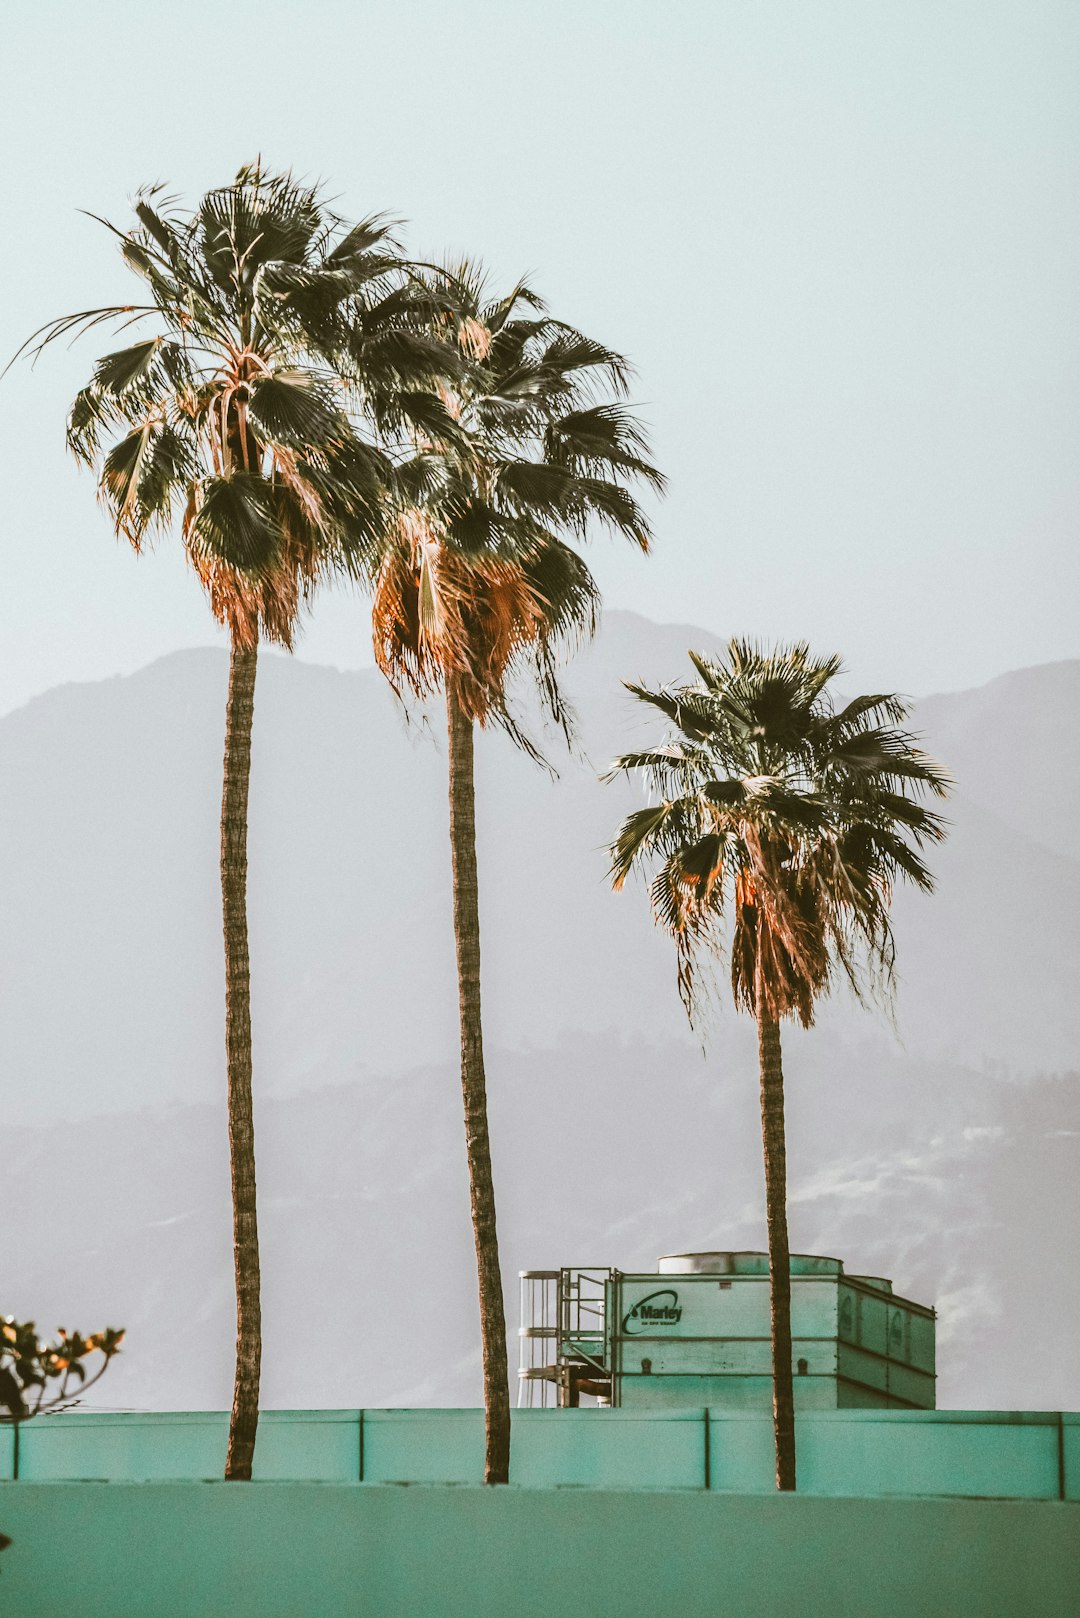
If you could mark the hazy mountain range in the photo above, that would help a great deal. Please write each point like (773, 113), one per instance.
(948, 1161)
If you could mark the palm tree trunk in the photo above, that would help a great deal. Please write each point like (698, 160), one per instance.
(474, 1092)
(234, 817)
(772, 1138)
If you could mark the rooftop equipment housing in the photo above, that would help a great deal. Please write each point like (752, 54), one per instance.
(697, 1333)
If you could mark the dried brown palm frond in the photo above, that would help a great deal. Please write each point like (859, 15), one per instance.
(440, 617)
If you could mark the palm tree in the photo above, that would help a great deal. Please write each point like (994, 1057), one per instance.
(479, 585)
(230, 414)
(780, 830)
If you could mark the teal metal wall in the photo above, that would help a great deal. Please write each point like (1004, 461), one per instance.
(859, 1345)
(991, 1454)
(311, 1550)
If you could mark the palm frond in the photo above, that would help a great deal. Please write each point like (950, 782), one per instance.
(357, 242)
(74, 326)
(571, 351)
(292, 407)
(600, 440)
(120, 477)
(234, 522)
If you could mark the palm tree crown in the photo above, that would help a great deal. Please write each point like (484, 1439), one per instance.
(232, 414)
(784, 817)
(481, 580)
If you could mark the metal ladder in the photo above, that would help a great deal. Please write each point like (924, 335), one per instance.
(563, 1336)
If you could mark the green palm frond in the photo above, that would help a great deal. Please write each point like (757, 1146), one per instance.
(496, 314)
(562, 581)
(295, 409)
(121, 475)
(116, 373)
(547, 491)
(693, 712)
(571, 351)
(168, 468)
(616, 509)
(427, 416)
(355, 245)
(603, 439)
(90, 415)
(235, 522)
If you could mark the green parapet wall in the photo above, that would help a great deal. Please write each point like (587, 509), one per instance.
(987, 1454)
(326, 1550)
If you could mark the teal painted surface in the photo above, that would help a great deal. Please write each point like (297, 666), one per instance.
(748, 1395)
(1070, 1454)
(86, 1446)
(423, 1446)
(993, 1454)
(322, 1445)
(707, 1341)
(653, 1449)
(303, 1550)
(1004, 1455)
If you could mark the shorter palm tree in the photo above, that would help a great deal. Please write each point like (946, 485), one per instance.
(780, 830)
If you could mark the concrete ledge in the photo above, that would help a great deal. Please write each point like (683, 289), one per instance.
(326, 1550)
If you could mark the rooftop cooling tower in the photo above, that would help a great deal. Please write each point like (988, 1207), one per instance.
(697, 1333)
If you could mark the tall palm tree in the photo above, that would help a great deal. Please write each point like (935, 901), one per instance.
(229, 413)
(480, 584)
(780, 829)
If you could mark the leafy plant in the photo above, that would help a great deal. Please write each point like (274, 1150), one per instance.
(37, 1376)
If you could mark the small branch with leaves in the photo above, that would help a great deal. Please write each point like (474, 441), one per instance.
(38, 1376)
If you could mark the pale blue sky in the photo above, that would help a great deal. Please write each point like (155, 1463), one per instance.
(838, 238)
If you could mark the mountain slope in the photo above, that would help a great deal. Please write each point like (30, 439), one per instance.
(110, 951)
(1013, 746)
